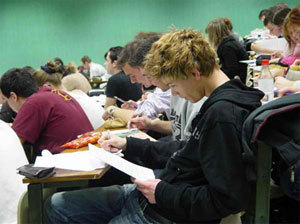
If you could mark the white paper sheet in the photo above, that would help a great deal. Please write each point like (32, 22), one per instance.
(82, 161)
(133, 170)
(124, 132)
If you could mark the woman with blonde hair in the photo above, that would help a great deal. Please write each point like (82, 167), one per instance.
(230, 52)
(291, 31)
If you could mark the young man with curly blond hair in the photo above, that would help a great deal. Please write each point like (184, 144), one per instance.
(202, 180)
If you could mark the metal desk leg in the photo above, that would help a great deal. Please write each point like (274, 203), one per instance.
(35, 203)
(264, 163)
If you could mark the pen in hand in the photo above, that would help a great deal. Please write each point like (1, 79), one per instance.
(123, 101)
(119, 99)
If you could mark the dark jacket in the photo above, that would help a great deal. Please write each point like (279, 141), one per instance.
(276, 124)
(204, 180)
(230, 52)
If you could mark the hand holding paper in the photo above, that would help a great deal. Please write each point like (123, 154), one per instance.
(147, 187)
(133, 170)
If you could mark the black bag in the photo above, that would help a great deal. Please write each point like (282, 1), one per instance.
(32, 172)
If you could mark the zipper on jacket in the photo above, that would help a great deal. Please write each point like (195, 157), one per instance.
(292, 169)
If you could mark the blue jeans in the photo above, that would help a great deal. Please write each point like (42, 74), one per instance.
(114, 204)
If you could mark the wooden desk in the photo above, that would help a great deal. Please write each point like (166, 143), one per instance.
(62, 178)
(95, 83)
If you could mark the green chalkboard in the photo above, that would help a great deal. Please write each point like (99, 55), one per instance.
(33, 31)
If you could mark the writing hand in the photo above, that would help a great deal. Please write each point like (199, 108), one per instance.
(112, 143)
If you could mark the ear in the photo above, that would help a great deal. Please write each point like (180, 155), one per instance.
(47, 84)
(114, 64)
(14, 96)
(196, 73)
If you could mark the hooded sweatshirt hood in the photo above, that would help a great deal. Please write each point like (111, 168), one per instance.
(236, 92)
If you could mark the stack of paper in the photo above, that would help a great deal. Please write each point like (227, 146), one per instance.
(92, 159)
(82, 161)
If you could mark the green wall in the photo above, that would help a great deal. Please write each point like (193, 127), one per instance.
(33, 31)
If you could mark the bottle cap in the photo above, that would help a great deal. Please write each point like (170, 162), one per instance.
(264, 62)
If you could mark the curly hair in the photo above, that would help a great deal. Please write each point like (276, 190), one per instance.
(178, 52)
(19, 81)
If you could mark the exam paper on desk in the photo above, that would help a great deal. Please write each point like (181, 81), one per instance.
(92, 159)
(133, 170)
(82, 161)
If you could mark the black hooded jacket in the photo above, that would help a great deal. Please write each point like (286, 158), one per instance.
(204, 180)
(230, 52)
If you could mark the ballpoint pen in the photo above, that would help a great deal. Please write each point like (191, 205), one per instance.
(119, 99)
(123, 101)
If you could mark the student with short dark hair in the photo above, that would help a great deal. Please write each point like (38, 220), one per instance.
(92, 68)
(45, 118)
(119, 83)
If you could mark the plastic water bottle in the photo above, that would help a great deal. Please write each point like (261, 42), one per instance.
(266, 82)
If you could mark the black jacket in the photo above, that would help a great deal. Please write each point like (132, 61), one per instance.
(204, 180)
(230, 52)
(276, 124)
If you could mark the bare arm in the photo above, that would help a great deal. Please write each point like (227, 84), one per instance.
(110, 102)
(261, 50)
(145, 123)
(161, 126)
(123, 114)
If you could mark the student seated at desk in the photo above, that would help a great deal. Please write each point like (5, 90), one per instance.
(50, 75)
(119, 83)
(204, 180)
(46, 118)
(156, 102)
(94, 69)
(6, 113)
(291, 27)
(272, 19)
(72, 79)
(230, 51)
(179, 113)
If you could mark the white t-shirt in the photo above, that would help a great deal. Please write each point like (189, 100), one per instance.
(96, 70)
(12, 156)
(91, 107)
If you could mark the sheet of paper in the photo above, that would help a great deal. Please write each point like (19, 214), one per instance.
(133, 170)
(124, 132)
(82, 161)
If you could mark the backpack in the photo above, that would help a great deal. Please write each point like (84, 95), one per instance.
(276, 124)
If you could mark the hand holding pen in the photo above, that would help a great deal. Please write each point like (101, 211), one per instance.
(112, 142)
(129, 105)
(140, 122)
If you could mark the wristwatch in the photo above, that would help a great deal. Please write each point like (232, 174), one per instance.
(111, 111)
